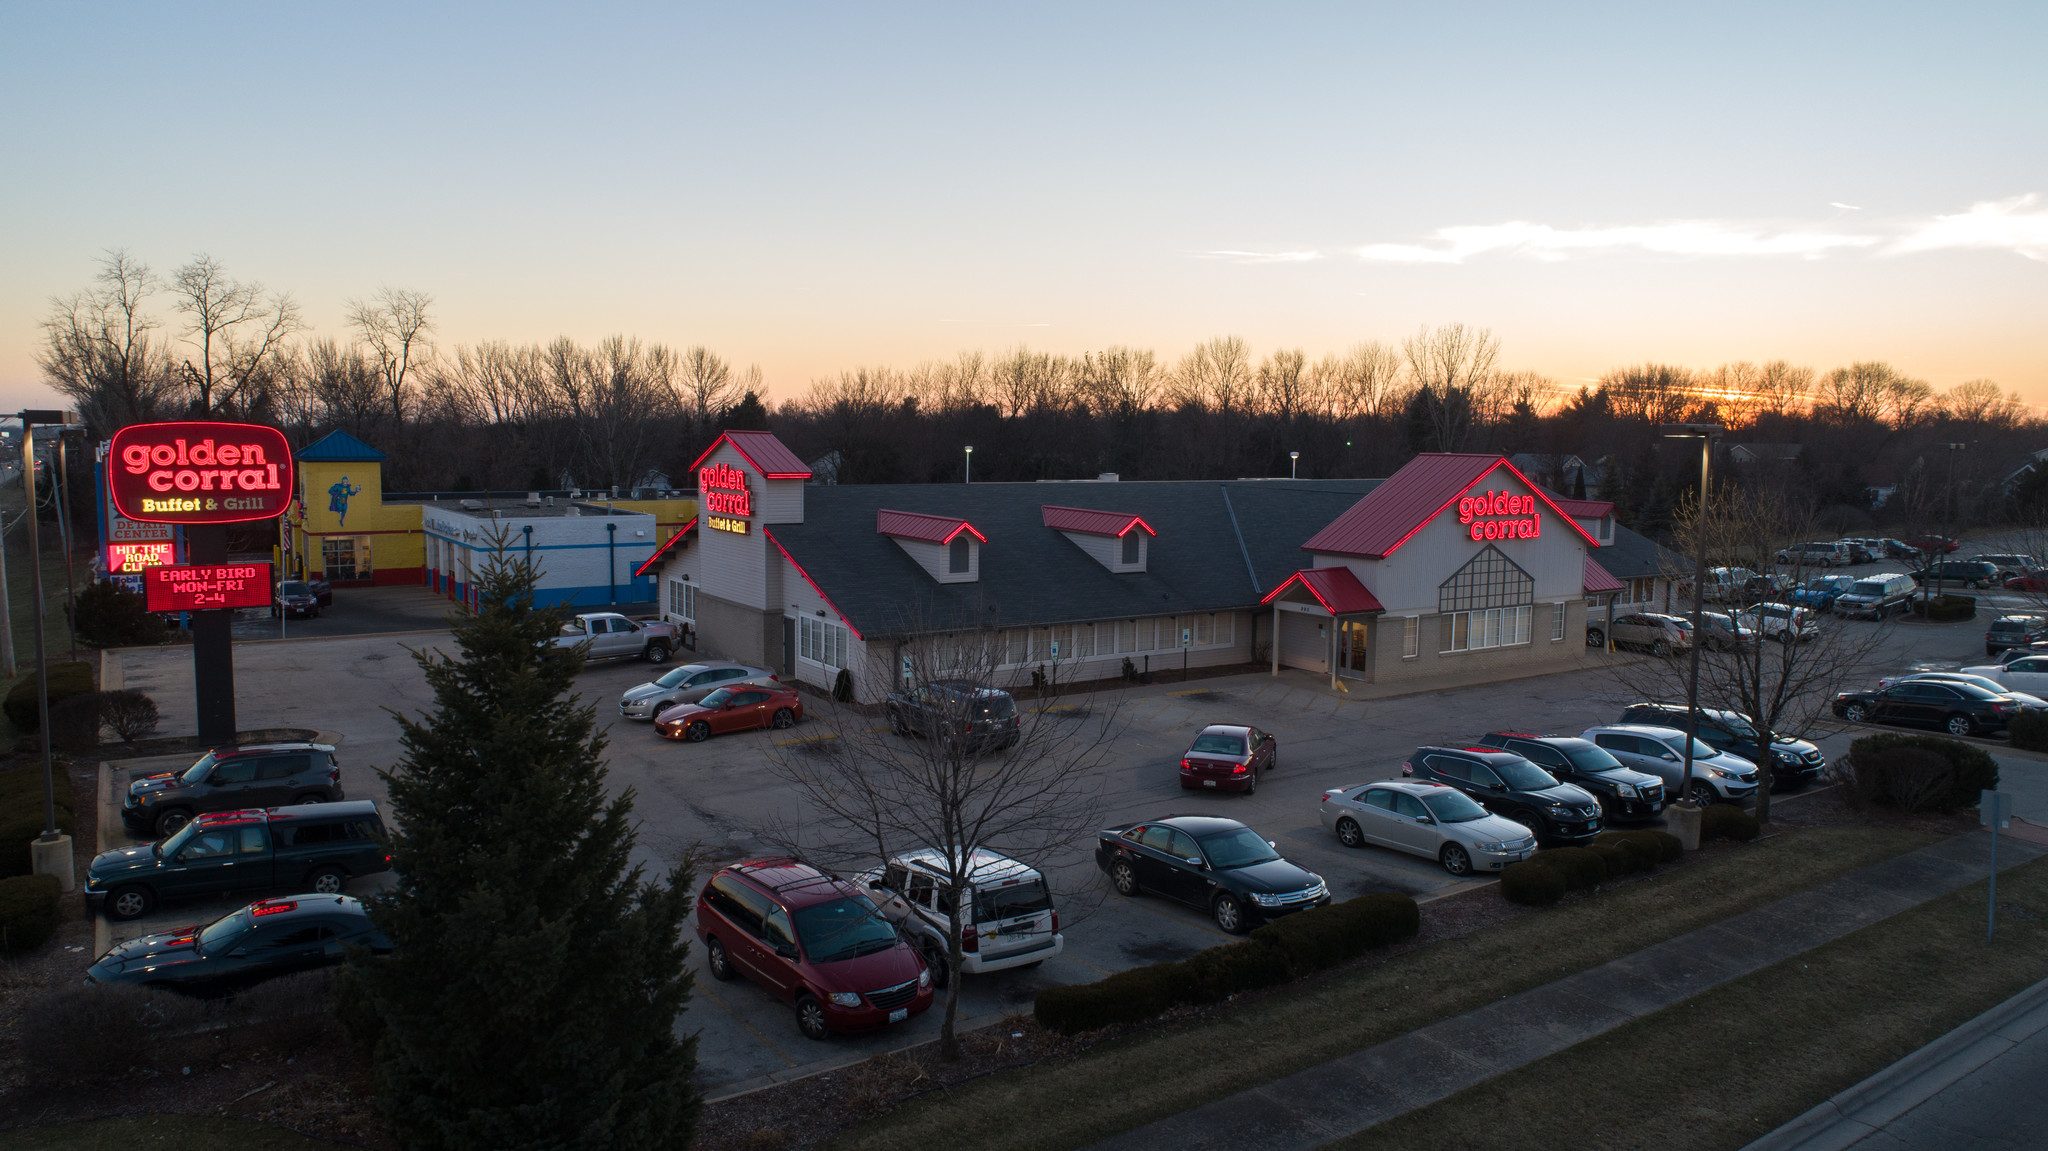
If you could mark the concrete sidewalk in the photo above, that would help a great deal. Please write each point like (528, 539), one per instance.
(1349, 1094)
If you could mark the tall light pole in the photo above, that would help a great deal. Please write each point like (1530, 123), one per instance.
(1705, 434)
(1293, 462)
(967, 477)
(50, 853)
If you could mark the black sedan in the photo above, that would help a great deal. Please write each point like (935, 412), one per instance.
(1957, 708)
(1218, 865)
(261, 941)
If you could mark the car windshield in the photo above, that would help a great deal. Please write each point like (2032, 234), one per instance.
(1522, 775)
(843, 929)
(718, 698)
(224, 931)
(1701, 749)
(1867, 587)
(1450, 806)
(994, 707)
(1219, 743)
(1591, 758)
(1027, 898)
(293, 587)
(677, 676)
(197, 771)
(1238, 847)
(179, 838)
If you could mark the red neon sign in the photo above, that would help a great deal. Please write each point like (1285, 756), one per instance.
(206, 587)
(1527, 523)
(199, 472)
(131, 558)
(725, 490)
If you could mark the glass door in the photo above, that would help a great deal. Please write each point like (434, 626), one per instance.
(1351, 648)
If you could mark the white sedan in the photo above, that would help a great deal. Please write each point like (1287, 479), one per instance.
(2028, 673)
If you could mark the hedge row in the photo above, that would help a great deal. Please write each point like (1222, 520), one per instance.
(1946, 608)
(1727, 821)
(1288, 948)
(1543, 878)
(66, 680)
(28, 912)
(1878, 772)
(21, 813)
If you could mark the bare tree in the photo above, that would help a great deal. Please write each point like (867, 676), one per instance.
(1120, 380)
(97, 350)
(1651, 393)
(708, 386)
(394, 326)
(342, 385)
(237, 331)
(1285, 387)
(1217, 376)
(1984, 402)
(1366, 382)
(1452, 369)
(871, 795)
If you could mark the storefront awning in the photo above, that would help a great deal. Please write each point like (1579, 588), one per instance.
(1598, 579)
(1336, 589)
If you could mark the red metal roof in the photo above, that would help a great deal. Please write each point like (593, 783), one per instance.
(764, 451)
(1598, 579)
(1090, 522)
(1584, 509)
(1337, 589)
(918, 526)
(663, 550)
(1410, 498)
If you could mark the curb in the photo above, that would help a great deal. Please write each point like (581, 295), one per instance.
(1864, 1109)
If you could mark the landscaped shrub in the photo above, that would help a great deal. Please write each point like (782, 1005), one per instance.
(2028, 731)
(110, 615)
(1661, 846)
(842, 686)
(1221, 972)
(66, 680)
(1974, 770)
(1326, 936)
(75, 723)
(1531, 884)
(21, 813)
(28, 912)
(1620, 856)
(1580, 868)
(1126, 997)
(130, 713)
(1727, 821)
(1946, 608)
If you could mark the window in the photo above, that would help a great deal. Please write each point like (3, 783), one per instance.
(1489, 580)
(1411, 637)
(234, 771)
(1130, 547)
(1157, 838)
(821, 641)
(1556, 622)
(284, 766)
(346, 557)
(1379, 797)
(1408, 805)
(682, 599)
(217, 843)
(1492, 627)
(956, 555)
(1084, 642)
(1182, 846)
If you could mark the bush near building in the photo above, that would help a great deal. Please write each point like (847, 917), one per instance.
(28, 912)
(21, 813)
(2028, 731)
(1946, 608)
(110, 615)
(1727, 821)
(66, 680)
(1543, 878)
(1915, 772)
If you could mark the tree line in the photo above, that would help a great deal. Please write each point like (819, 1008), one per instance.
(1874, 444)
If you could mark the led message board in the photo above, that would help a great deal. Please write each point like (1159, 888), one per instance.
(206, 587)
(131, 558)
(199, 472)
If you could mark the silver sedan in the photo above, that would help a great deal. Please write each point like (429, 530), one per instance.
(1426, 819)
(688, 684)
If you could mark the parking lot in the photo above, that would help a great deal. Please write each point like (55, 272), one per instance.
(718, 795)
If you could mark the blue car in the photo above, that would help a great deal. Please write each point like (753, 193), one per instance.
(1821, 592)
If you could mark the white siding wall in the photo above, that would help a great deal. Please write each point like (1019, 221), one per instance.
(936, 559)
(775, 501)
(1109, 550)
(1406, 582)
(1305, 641)
(568, 551)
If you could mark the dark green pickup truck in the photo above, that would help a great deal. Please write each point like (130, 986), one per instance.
(310, 847)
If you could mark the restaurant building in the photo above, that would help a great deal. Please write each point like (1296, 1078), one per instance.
(1455, 563)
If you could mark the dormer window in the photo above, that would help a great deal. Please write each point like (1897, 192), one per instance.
(946, 547)
(1118, 541)
(1132, 544)
(957, 555)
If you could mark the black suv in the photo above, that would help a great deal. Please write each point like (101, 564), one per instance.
(1963, 573)
(261, 941)
(230, 779)
(1623, 792)
(1795, 762)
(1507, 784)
(977, 715)
(316, 847)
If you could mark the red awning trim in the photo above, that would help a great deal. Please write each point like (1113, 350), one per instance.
(1337, 589)
(1088, 521)
(761, 449)
(814, 584)
(1599, 579)
(918, 526)
(663, 550)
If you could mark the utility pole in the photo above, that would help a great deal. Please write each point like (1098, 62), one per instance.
(50, 853)
(7, 667)
(1705, 434)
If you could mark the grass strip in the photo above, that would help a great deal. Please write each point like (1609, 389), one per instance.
(161, 1133)
(1725, 1068)
(1121, 1084)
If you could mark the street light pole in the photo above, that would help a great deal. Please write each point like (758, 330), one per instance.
(50, 853)
(968, 476)
(1705, 434)
(1293, 462)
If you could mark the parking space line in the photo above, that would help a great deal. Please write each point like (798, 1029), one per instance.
(1190, 691)
(808, 739)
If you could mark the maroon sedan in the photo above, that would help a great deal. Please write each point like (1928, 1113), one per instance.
(731, 709)
(1228, 758)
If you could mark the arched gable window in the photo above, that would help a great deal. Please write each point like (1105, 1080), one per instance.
(956, 557)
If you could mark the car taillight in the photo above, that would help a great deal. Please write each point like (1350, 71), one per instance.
(970, 939)
(1237, 769)
(1186, 766)
(1407, 769)
(1055, 923)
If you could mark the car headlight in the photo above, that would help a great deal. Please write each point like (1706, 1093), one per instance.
(1717, 773)
(1500, 845)
(924, 978)
(1264, 900)
(850, 998)
(1625, 790)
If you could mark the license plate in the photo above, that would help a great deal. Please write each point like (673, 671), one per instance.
(899, 1015)
(1208, 783)
(1593, 825)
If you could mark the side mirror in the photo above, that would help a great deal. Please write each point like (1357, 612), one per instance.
(1271, 844)
(1195, 860)
(1670, 755)
(877, 885)
(786, 950)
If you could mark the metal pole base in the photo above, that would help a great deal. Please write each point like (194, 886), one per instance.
(51, 855)
(1683, 821)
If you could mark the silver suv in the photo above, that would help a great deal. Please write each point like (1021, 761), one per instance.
(688, 684)
(1660, 634)
(1717, 777)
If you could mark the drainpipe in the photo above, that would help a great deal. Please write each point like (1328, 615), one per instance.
(528, 529)
(611, 570)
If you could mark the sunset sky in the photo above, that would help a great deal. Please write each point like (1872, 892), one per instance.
(813, 187)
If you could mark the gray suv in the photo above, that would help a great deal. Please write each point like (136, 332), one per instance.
(232, 779)
(1717, 777)
(688, 684)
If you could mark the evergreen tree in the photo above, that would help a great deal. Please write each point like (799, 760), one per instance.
(531, 996)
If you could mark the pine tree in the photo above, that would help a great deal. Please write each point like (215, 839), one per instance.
(532, 993)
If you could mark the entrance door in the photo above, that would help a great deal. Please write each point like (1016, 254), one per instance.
(789, 648)
(1351, 648)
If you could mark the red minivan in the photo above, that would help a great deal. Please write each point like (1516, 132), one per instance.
(1228, 757)
(815, 941)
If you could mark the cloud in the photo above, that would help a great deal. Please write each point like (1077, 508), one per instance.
(1675, 238)
(2017, 225)
(1845, 207)
(1259, 257)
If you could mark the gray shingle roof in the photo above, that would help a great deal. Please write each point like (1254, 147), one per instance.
(1633, 555)
(1031, 574)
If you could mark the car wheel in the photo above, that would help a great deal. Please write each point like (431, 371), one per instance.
(1961, 725)
(1856, 713)
(1455, 859)
(784, 717)
(131, 902)
(1595, 637)
(935, 961)
(310, 797)
(1349, 834)
(1529, 820)
(1251, 783)
(810, 1018)
(717, 961)
(1703, 794)
(1125, 879)
(657, 652)
(698, 732)
(327, 881)
(1661, 647)
(896, 725)
(1229, 914)
(169, 821)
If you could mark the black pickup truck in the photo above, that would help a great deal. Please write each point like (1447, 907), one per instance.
(312, 847)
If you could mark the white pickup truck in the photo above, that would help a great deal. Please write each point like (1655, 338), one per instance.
(613, 636)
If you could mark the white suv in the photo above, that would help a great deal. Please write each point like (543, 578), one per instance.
(1008, 919)
(1717, 776)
